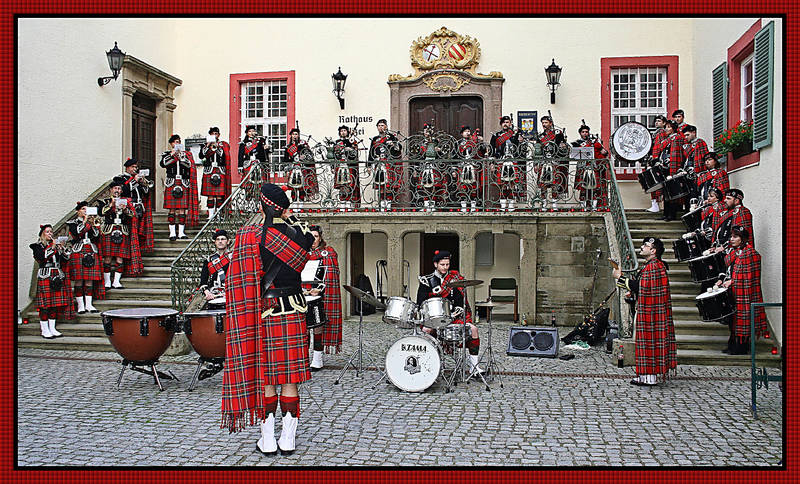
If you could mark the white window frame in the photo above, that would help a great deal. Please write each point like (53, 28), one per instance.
(638, 113)
(273, 122)
(745, 87)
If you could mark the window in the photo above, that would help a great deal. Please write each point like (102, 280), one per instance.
(264, 100)
(747, 89)
(264, 105)
(635, 89)
(638, 94)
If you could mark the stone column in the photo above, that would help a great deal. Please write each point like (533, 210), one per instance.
(336, 237)
(394, 260)
(528, 272)
(466, 254)
(127, 122)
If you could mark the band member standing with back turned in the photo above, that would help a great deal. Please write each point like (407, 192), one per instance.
(212, 275)
(432, 285)
(743, 278)
(84, 264)
(53, 294)
(216, 158)
(180, 187)
(302, 169)
(510, 176)
(266, 326)
(327, 338)
(590, 196)
(137, 188)
(656, 352)
(659, 136)
(385, 151)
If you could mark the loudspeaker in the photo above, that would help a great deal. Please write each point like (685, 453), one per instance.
(524, 341)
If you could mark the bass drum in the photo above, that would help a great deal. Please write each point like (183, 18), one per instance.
(716, 304)
(414, 362)
(631, 142)
(206, 332)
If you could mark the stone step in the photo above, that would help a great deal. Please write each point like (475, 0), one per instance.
(119, 303)
(154, 271)
(699, 328)
(150, 260)
(151, 282)
(717, 358)
(73, 343)
(69, 330)
(666, 235)
(141, 293)
(713, 342)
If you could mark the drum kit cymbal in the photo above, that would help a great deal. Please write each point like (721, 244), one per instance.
(417, 360)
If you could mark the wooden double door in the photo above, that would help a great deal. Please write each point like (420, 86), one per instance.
(447, 114)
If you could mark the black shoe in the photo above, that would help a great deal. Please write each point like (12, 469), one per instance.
(94, 311)
(285, 452)
(173, 238)
(636, 382)
(81, 312)
(313, 370)
(275, 452)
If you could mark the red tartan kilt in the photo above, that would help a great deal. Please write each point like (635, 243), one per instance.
(519, 175)
(310, 183)
(560, 177)
(394, 177)
(176, 203)
(46, 298)
(473, 189)
(78, 272)
(353, 178)
(110, 249)
(286, 349)
(208, 189)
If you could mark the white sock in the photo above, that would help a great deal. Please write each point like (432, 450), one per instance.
(107, 279)
(117, 276)
(180, 230)
(172, 231)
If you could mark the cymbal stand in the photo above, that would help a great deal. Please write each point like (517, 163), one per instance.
(306, 384)
(360, 351)
(492, 366)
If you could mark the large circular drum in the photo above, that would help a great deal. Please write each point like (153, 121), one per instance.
(690, 246)
(631, 142)
(716, 304)
(707, 267)
(140, 334)
(414, 362)
(400, 312)
(206, 332)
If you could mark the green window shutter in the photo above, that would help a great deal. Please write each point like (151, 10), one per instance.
(763, 90)
(719, 78)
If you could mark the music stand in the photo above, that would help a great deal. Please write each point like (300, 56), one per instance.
(362, 296)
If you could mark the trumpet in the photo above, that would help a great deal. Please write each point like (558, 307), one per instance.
(96, 221)
(145, 181)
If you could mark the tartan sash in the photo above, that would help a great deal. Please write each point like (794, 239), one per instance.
(503, 137)
(285, 249)
(215, 265)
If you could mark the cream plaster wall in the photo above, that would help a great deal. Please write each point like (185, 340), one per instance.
(70, 129)
(762, 184)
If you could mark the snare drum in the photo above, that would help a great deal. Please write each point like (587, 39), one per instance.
(652, 179)
(690, 246)
(206, 332)
(716, 305)
(435, 312)
(216, 303)
(453, 333)
(707, 267)
(693, 219)
(400, 311)
(414, 362)
(315, 314)
(142, 334)
(677, 187)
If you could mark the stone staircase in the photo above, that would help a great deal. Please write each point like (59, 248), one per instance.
(151, 289)
(699, 342)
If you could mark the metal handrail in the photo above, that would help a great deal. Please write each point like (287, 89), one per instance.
(758, 377)
(629, 262)
(235, 211)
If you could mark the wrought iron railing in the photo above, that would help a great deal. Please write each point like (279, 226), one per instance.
(235, 212)
(759, 377)
(628, 260)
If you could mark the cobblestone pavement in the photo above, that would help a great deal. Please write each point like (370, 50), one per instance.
(549, 412)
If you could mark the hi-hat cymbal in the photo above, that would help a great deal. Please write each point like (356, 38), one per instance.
(464, 283)
(487, 304)
(364, 296)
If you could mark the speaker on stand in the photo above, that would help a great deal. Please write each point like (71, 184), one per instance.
(526, 341)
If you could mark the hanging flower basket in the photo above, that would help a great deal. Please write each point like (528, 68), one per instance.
(737, 140)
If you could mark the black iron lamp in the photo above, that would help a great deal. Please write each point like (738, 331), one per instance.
(553, 73)
(115, 58)
(338, 86)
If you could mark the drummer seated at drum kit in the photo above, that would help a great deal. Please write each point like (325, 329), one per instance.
(212, 275)
(434, 285)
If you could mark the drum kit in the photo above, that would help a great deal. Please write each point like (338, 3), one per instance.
(418, 359)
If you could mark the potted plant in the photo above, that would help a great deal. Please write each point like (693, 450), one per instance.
(737, 140)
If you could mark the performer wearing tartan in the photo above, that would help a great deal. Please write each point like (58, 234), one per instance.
(180, 188)
(216, 159)
(137, 188)
(469, 176)
(598, 195)
(252, 150)
(302, 169)
(555, 174)
(695, 149)
(658, 145)
(733, 214)
(85, 261)
(266, 328)
(388, 174)
(327, 338)
(656, 352)
(119, 239)
(510, 175)
(744, 280)
(53, 293)
(710, 215)
(713, 176)
(677, 159)
(345, 152)
(212, 274)
(434, 285)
